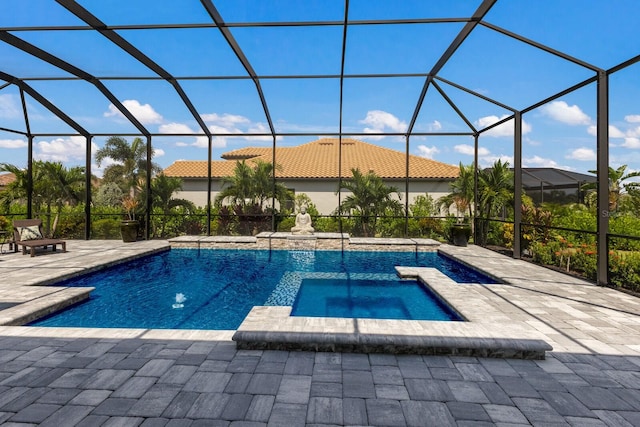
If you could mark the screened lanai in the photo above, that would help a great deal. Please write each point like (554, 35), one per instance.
(462, 83)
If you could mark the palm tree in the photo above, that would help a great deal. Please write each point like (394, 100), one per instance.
(462, 191)
(495, 189)
(369, 198)
(248, 190)
(162, 189)
(616, 186)
(237, 187)
(64, 187)
(53, 186)
(130, 163)
(252, 186)
(16, 190)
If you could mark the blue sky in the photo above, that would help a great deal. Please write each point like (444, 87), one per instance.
(558, 134)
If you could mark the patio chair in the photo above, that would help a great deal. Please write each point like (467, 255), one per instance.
(28, 234)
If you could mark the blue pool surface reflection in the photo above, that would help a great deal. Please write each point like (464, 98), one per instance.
(216, 288)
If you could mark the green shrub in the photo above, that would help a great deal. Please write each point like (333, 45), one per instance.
(624, 270)
(105, 229)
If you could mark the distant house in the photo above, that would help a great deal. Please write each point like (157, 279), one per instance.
(6, 179)
(555, 185)
(312, 168)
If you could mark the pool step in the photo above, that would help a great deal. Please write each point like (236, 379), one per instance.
(272, 328)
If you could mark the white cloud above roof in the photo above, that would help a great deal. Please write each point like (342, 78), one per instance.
(614, 132)
(225, 119)
(428, 152)
(378, 121)
(582, 154)
(502, 130)
(63, 149)
(143, 112)
(631, 142)
(568, 114)
(468, 150)
(540, 162)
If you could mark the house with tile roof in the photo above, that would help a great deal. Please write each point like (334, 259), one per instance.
(312, 168)
(6, 179)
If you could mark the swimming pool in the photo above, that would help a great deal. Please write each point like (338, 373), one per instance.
(216, 288)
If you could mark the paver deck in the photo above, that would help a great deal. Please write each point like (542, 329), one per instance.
(93, 377)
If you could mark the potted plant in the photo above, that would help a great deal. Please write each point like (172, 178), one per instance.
(460, 233)
(129, 225)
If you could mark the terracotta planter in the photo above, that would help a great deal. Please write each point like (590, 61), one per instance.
(129, 230)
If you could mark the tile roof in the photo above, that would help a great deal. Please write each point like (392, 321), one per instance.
(319, 159)
(6, 179)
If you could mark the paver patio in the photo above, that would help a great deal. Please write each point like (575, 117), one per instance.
(93, 377)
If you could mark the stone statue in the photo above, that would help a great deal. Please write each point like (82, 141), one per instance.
(303, 223)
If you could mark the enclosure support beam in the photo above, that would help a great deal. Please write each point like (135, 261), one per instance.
(406, 187)
(209, 159)
(602, 144)
(87, 188)
(30, 176)
(149, 201)
(517, 184)
(475, 189)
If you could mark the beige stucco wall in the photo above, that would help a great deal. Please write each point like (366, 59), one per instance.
(321, 192)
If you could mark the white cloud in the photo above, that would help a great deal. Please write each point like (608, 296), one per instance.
(63, 149)
(504, 129)
(435, 126)
(143, 112)
(614, 132)
(9, 108)
(13, 143)
(198, 141)
(378, 121)
(582, 154)
(428, 152)
(540, 162)
(158, 152)
(632, 118)
(260, 128)
(489, 160)
(631, 142)
(565, 113)
(225, 120)
(175, 128)
(469, 150)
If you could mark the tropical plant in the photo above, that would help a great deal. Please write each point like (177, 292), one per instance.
(617, 185)
(369, 199)
(162, 189)
(64, 187)
(54, 186)
(108, 194)
(252, 185)
(16, 191)
(495, 190)
(462, 191)
(130, 163)
(130, 204)
(423, 221)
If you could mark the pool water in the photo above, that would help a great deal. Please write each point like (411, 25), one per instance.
(369, 299)
(216, 289)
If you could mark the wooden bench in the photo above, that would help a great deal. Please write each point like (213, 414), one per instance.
(32, 244)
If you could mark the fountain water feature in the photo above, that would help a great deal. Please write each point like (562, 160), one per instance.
(180, 299)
